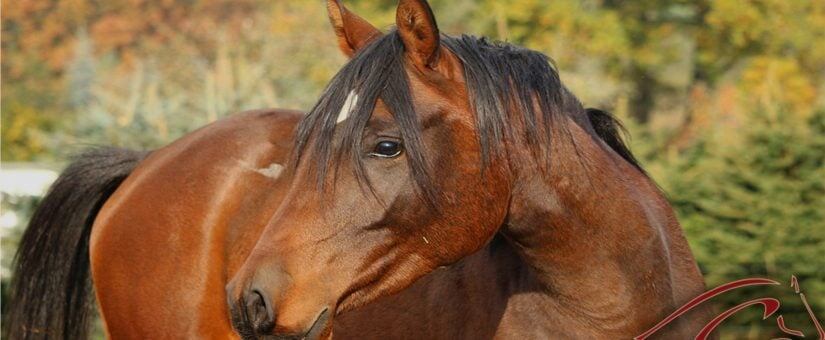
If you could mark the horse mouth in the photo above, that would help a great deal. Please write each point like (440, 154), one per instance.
(245, 330)
(317, 329)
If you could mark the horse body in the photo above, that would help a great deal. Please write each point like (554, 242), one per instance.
(143, 236)
(441, 188)
(151, 245)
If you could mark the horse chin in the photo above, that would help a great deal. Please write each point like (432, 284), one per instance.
(349, 302)
(357, 298)
(321, 328)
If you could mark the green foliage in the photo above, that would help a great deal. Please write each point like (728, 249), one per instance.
(756, 208)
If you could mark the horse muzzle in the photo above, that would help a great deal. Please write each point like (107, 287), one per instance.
(259, 310)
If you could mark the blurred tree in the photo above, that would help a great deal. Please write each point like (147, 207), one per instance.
(636, 42)
(39, 41)
(753, 207)
(735, 29)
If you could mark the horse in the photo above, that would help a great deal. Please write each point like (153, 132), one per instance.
(441, 187)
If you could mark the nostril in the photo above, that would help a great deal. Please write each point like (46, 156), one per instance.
(259, 312)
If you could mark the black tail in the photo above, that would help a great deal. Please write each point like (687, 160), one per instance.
(611, 130)
(50, 295)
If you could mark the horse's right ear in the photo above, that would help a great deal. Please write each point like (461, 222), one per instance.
(353, 31)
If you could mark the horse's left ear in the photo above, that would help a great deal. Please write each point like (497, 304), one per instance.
(419, 32)
(353, 31)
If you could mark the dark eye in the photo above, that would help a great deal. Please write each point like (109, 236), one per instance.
(386, 149)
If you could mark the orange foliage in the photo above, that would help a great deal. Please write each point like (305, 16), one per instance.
(44, 30)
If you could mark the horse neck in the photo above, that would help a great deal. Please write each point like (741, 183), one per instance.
(594, 232)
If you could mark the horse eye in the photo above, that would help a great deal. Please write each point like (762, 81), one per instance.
(386, 149)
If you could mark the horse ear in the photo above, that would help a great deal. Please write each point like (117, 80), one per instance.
(418, 31)
(353, 31)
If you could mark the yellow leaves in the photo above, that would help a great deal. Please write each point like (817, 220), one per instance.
(740, 18)
(23, 138)
(766, 26)
(550, 26)
(778, 82)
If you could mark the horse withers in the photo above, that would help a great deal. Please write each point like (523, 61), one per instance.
(441, 187)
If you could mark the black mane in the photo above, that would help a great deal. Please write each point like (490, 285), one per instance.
(505, 83)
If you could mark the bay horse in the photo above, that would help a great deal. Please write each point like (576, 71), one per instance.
(441, 187)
